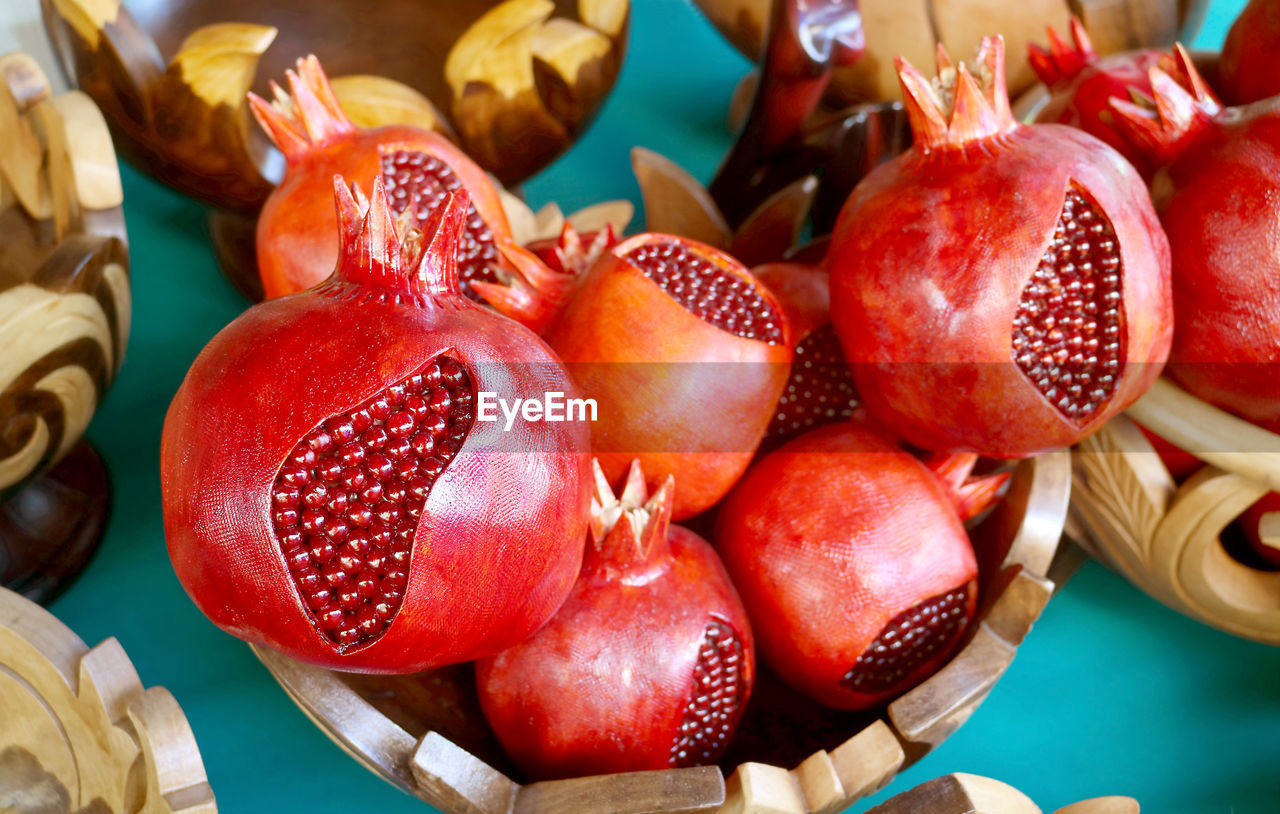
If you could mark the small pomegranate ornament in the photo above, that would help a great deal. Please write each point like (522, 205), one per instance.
(328, 489)
(852, 563)
(684, 351)
(998, 288)
(1081, 84)
(649, 663)
(820, 390)
(1248, 70)
(297, 233)
(1218, 195)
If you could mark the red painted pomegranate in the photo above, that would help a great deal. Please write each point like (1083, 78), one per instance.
(297, 233)
(1261, 526)
(647, 666)
(852, 563)
(1248, 70)
(1081, 84)
(328, 489)
(998, 288)
(820, 390)
(1218, 195)
(1180, 463)
(684, 351)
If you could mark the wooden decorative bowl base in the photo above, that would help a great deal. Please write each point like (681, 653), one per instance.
(64, 321)
(1172, 540)
(51, 526)
(971, 794)
(426, 734)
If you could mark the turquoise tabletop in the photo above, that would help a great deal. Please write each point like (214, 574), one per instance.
(1111, 694)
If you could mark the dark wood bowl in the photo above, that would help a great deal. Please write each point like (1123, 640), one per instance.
(64, 322)
(515, 81)
(914, 27)
(425, 733)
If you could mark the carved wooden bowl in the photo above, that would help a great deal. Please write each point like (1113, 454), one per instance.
(426, 734)
(1175, 541)
(514, 81)
(914, 27)
(79, 733)
(64, 312)
(972, 794)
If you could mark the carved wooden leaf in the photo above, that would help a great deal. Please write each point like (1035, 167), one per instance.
(375, 101)
(608, 16)
(674, 201)
(776, 224)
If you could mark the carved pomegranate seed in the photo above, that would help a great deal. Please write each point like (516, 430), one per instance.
(852, 563)
(297, 237)
(1068, 332)
(911, 639)
(999, 288)
(708, 291)
(328, 488)
(349, 497)
(649, 663)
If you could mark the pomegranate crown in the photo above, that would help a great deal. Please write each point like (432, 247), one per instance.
(959, 106)
(375, 253)
(632, 525)
(1062, 62)
(307, 116)
(1181, 106)
(532, 293)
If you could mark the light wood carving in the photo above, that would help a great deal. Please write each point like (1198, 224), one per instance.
(972, 794)
(1166, 538)
(64, 284)
(425, 733)
(78, 733)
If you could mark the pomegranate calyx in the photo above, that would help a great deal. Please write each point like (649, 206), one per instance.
(629, 528)
(305, 118)
(959, 106)
(1180, 108)
(1061, 62)
(530, 292)
(374, 254)
(970, 495)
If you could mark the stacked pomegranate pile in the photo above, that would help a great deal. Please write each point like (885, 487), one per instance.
(336, 485)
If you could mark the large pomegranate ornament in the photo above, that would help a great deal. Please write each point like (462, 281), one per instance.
(328, 489)
(1218, 195)
(684, 351)
(649, 663)
(1248, 70)
(1081, 84)
(297, 238)
(999, 288)
(852, 563)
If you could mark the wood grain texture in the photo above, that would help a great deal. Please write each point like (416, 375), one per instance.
(515, 80)
(1168, 539)
(78, 731)
(396, 725)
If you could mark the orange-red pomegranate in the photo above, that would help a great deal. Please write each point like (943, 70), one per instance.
(648, 664)
(1218, 195)
(1248, 70)
(330, 489)
(852, 563)
(297, 232)
(1081, 84)
(685, 352)
(999, 288)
